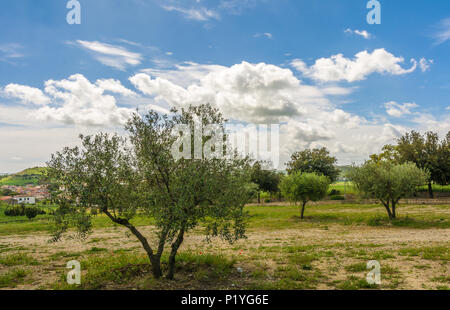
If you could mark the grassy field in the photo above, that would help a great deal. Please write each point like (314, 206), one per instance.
(347, 188)
(328, 250)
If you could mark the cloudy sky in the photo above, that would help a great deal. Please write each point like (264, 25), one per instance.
(317, 68)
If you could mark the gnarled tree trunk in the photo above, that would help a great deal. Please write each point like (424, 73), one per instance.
(303, 210)
(394, 214)
(388, 209)
(155, 260)
(430, 190)
(175, 246)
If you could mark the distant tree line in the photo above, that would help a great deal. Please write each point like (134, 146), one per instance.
(426, 151)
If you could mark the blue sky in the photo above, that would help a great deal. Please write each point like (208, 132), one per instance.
(157, 54)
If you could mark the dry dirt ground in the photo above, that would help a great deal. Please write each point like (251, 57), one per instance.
(336, 249)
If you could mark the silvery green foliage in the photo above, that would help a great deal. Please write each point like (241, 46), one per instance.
(304, 187)
(123, 177)
(387, 182)
(427, 152)
(317, 161)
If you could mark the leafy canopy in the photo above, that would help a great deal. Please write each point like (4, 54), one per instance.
(426, 151)
(387, 182)
(267, 180)
(124, 177)
(316, 161)
(304, 187)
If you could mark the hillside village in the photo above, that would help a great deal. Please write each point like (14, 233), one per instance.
(23, 187)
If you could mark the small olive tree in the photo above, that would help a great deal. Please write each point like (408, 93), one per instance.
(266, 180)
(124, 177)
(317, 161)
(387, 182)
(304, 187)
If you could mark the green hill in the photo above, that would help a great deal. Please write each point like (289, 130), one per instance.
(28, 176)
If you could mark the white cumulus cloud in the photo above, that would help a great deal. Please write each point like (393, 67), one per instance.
(26, 94)
(363, 33)
(246, 92)
(76, 101)
(114, 86)
(338, 68)
(184, 74)
(399, 110)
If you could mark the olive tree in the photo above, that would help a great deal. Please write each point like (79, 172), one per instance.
(426, 151)
(316, 161)
(266, 180)
(304, 187)
(139, 174)
(387, 182)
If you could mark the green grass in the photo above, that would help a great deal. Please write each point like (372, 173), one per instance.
(275, 217)
(358, 267)
(436, 188)
(124, 268)
(343, 188)
(95, 250)
(431, 253)
(287, 277)
(348, 188)
(12, 278)
(355, 283)
(17, 259)
(278, 217)
(60, 255)
(441, 279)
(42, 223)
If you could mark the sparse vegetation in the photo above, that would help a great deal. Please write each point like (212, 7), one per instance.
(282, 253)
(105, 189)
(304, 187)
(12, 278)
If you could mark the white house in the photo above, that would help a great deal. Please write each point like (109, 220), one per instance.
(25, 200)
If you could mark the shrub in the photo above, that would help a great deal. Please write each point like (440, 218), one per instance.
(337, 197)
(335, 192)
(32, 212)
(15, 211)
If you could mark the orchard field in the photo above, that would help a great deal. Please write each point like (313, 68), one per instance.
(328, 250)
